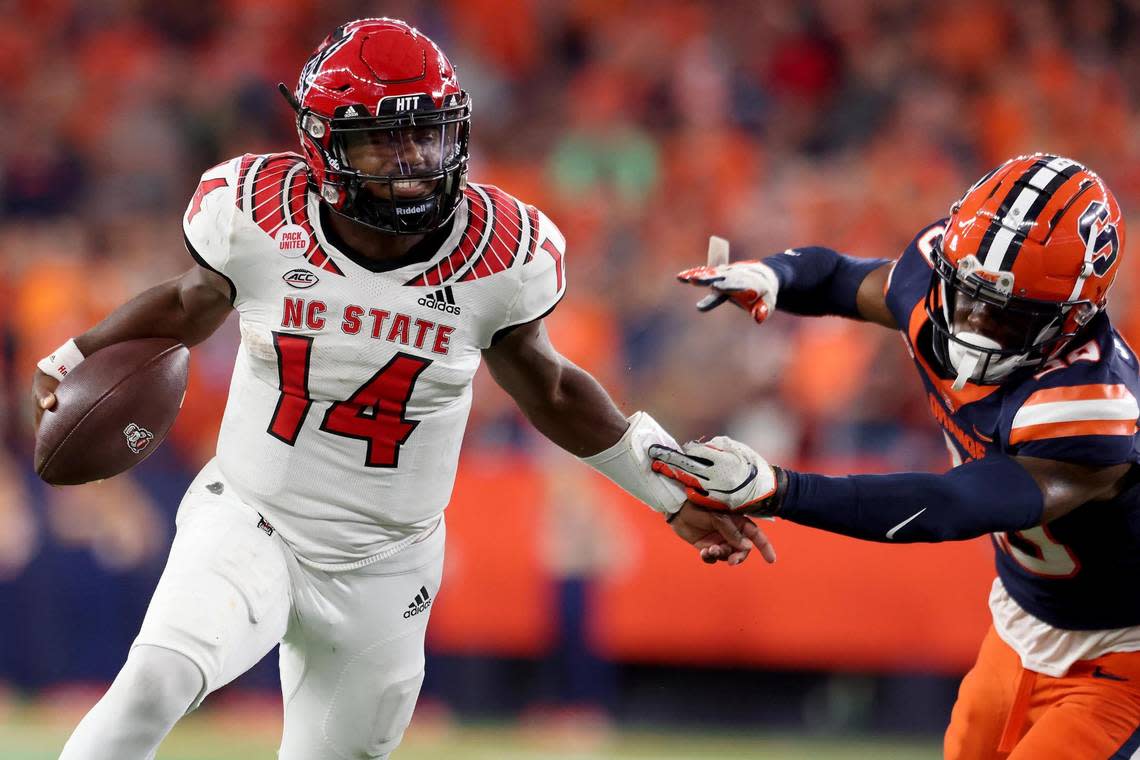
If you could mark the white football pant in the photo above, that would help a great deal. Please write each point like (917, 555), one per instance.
(352, 642)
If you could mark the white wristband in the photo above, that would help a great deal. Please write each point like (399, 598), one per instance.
(62, 360)
(627, 464)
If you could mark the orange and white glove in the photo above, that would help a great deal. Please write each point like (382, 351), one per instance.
(751, 285)
(721, 474)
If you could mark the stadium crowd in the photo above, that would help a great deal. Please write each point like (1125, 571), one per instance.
(639, 127)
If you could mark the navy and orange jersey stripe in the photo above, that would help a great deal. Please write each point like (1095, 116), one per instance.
(1080, 571)
(273, 190)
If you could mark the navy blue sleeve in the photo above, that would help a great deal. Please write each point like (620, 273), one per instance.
(910, 276)
(815, 281)
(989, 495)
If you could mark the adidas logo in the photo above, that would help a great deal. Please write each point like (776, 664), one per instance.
(442, 300)
(421, 604)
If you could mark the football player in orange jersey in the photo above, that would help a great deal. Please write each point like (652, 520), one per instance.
(1002, 307)
(371, 279)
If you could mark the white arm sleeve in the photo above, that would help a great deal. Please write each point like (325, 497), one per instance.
(627, 464)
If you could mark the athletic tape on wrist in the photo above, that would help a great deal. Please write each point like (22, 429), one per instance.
(63, 360)
(627, 464)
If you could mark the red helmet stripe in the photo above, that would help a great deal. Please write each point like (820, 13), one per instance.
(314, 65)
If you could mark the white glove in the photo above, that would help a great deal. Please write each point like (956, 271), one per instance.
(720, 474)
(751, 285)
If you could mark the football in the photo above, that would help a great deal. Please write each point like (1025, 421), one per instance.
(112, 411)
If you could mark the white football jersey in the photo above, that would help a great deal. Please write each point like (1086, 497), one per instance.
(352, 386)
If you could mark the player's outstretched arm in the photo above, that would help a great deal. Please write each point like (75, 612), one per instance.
(810, 281)
(568, 406)
(995, 494)
(188, 308)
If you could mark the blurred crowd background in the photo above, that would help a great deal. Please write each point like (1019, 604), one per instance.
(640, 128)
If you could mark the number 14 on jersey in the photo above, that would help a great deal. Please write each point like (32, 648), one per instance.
(374, 413)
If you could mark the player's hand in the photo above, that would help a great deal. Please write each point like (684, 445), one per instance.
(43, 394)
(721, 537)
(751, 285)
(720, 474)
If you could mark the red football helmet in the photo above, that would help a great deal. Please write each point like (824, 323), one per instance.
(380, 94)
(1034, 247)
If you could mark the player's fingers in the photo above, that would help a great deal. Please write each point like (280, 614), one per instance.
(728, 528)
(760, 540)
(680, 459)
(48, 401)
(701, 499)
(745, 299)
(711, 301)
(760, 311)
(679, 475)
(700, 275)
(719, 552)
(738, 557)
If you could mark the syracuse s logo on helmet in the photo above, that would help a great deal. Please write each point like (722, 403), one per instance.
(1100, 237)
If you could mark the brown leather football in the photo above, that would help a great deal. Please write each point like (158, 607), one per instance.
(112, 411)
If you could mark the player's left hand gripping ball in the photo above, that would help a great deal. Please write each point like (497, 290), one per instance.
(751, 285)
(720, 474)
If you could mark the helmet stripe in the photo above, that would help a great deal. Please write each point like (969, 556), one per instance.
(313, 65)
(1019, 209)
(1052, 185)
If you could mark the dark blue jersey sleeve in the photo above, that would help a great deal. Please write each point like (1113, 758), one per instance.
(910, 275)
(1081, 407)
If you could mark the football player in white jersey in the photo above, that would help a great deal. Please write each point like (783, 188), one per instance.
(371, 278)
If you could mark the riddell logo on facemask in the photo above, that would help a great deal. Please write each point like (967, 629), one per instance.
(419, 208)
(441, 300)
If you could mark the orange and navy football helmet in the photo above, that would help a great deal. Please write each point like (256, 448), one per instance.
(380, 81)
(1034, 245)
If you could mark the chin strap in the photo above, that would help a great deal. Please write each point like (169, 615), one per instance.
(966, 369)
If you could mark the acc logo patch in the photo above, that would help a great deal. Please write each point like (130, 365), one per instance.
(300, 278)
(138, 438)
(292, 240)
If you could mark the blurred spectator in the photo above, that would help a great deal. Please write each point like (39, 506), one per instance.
(640, 128)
